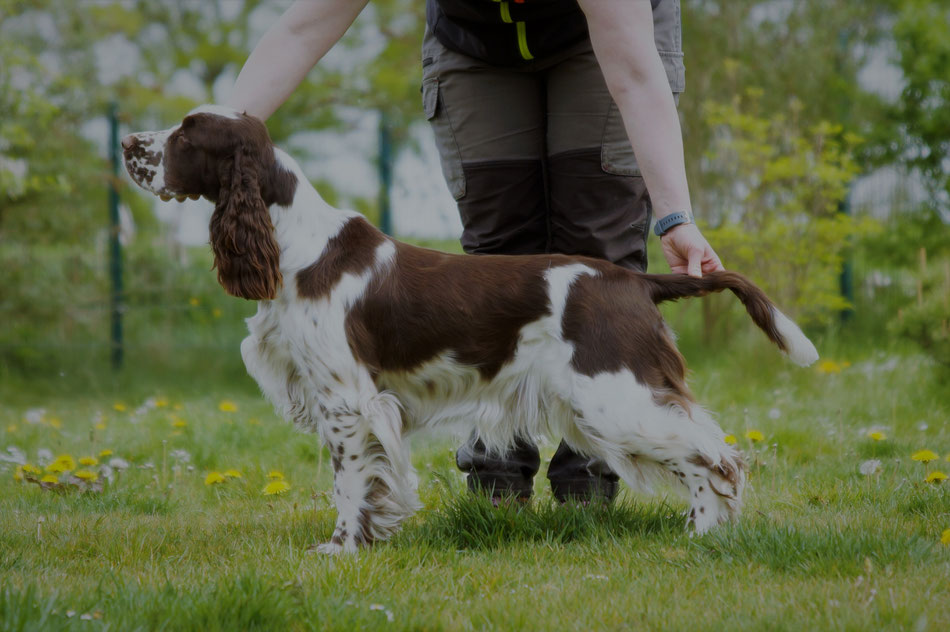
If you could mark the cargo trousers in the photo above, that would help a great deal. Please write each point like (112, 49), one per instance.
(538, 161)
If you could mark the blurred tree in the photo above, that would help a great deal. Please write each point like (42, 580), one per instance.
(52, 181)
(777, 182)
(801, 54)
(916, 132)
(57, 71)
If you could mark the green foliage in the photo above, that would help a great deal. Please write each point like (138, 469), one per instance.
(779, 183)
(926, 321)
(61, 306)
(898, 245)
(915, 132)
(805, 54)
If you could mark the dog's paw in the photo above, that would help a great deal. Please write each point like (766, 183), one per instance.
(328, 548)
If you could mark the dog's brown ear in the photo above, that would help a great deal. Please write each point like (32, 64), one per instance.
(246, 253)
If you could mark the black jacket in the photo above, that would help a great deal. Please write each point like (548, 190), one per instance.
(507, 33)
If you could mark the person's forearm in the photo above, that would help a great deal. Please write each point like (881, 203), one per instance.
(658, 142)
(622, 36)
(287, 52)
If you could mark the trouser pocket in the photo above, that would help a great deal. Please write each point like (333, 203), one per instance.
(449, 154)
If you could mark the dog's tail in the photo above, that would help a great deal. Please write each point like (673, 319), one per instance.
(776, 325)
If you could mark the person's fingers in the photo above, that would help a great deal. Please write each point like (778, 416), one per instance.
(711, 262)
(695, 256)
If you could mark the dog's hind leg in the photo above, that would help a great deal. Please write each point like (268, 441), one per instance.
(374, 485)
(621, 420)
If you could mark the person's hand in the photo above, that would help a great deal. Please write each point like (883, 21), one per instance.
(688, 252)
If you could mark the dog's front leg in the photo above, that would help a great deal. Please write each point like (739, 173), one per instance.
(374, 486)
(347, 437)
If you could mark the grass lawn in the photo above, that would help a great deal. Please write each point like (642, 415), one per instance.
(820, 545)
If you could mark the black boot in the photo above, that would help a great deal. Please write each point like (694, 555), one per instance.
(502, 475)
(580, 478)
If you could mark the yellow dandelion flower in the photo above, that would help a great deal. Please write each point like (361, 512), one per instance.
(877, 436)
(18, 474)
(119, 407)
(85, 475)
(275, 475)
(755, 435)
(105, 453)
(55, 422)
(178, 407)
(194, 301)
(232, 473)
(178, 422)
(100, 426)
(31, 469)
(50, 478)
(89, 460)
(161, 402)
(924, 456)
(227, 406)
(214, 478)
(947, 458)
(935, 477)
(11, 428)
(63, 463)
(828, 366)
(730, 439)
(216, 312)
(945, 537)
(275, 487)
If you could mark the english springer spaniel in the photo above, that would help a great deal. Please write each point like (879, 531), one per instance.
(362, 338)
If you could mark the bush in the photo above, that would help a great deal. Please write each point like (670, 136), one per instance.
(926, 321)
(775, 188)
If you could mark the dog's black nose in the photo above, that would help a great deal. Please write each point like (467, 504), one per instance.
(128, 141)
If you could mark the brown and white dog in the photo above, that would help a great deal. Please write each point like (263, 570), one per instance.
(362, 339)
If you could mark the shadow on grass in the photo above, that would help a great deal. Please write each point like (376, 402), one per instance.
(466, 521)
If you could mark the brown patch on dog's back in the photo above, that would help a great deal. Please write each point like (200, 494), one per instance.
(431, 303)
(614, 324)
(351, 250)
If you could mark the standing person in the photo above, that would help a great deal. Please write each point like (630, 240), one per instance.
(534, 104)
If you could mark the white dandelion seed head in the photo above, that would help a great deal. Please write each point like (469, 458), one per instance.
(181, 455)
(118, 463)
(44, 456)
(869, 467)
(35, 415)
(13, 455)
(775, 413)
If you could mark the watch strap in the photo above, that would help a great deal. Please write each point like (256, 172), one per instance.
(673, 219)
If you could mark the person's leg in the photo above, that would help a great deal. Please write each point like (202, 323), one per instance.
(599, 203)
(489, 128)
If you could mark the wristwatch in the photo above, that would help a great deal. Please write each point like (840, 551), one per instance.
(673, 219)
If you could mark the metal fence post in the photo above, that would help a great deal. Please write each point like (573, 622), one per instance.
(847, 268)
(115, 247)
(385, 174)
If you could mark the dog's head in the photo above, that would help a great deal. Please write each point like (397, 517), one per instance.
(227, 157)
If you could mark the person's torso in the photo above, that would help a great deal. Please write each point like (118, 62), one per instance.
(506, 33)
